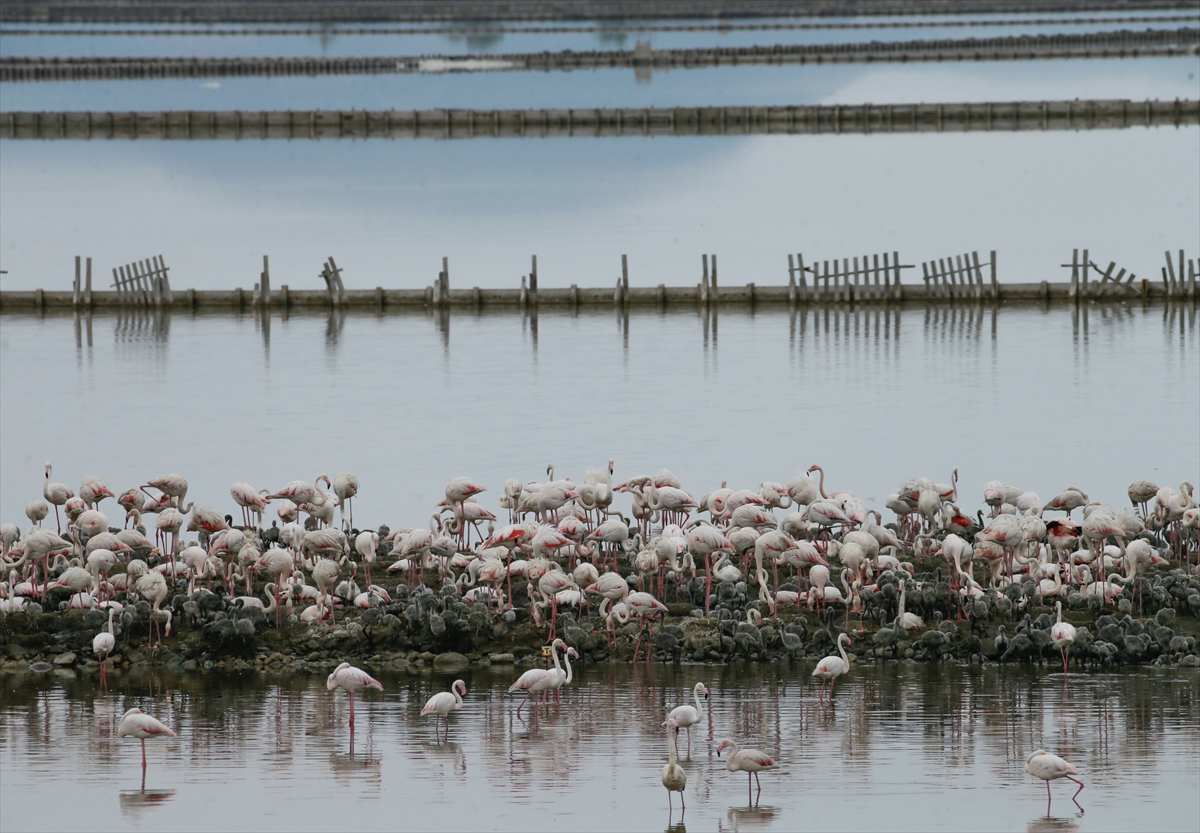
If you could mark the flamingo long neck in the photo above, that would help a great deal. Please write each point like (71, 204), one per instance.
(821, 487)
(554, 653)
(270, 590)
(672, 755)
(458, 701)
(842, 651)
(733, 750)
(567, 660)
(112, 611)
(901, 613)
(696, 695)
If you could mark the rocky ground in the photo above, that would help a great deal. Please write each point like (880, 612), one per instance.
(1154, 621)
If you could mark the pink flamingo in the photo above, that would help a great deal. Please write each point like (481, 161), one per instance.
(351, 679)
(1041, 764)
(536, 680)
(441, 704)
(136, 724)
(749, 761)
(1062, 634)
(673, 776)
(832, 667)
(57, 494)
(687, 716)
(103, 645)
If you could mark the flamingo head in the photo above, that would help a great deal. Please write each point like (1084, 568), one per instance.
(704, 690)
(721, 746)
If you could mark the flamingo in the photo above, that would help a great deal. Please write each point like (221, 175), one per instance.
(832, 667)
(171, 485)
(103, 644)
(345, 486)
(673, 776)
(1067, 501)
(441, 704)
(351, 679)
(534, 680)
(1062, 634)
(153, 588)
(749, 761)
(908, 621)
(1041, 764)
(687, 716)
(251, 501)
(137, 724)
(56, 493)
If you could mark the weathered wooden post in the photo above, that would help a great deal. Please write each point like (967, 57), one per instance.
(896, 282)
(533, 289)
(995, 285)
(705, 285)
(714, 289)
(78, 279)
(87, 285)
(444, 283)
(1073, 292)
(1083, 268)
(265, 283)
(168, 297)
(624, 287)
(523, 298)
(791, 280)
(802, 284)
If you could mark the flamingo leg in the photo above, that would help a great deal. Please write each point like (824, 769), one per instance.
(523, 702)
(689, 754)
(1077, 781)
(758, 782)
(143, 757)
(351, 693)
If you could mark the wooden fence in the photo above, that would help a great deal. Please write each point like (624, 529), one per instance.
(959, 276)
(143, 283)
(875, 278)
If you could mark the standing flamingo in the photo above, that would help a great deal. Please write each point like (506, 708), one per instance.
(832, 667)
(136, 724)
(103, 645)
(351, 679)
(535, 680)
(441, 704)
(56, 493)
(1041, 764)
(687, 716)
(673, 776)
(749, 761)
(345, 486)
(1062, 634)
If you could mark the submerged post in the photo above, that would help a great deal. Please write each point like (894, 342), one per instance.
(995, 286)
(716, 292)
(624, 280)
(533, 292)
(78, 276)
(705, 287)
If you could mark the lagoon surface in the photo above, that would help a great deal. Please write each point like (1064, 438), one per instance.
(904, 747)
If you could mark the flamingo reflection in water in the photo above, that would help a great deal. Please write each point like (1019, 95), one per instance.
(136, 803)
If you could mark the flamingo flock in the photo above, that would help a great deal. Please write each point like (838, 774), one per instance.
(577, 558)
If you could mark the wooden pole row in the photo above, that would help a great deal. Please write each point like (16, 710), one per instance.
(1107, 283)
(1175, 285)
(599, 122)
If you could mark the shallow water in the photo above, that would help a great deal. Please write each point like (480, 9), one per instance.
(904, 747)
(1038, 398)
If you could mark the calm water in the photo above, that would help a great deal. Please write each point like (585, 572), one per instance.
(905, 747)
(1036, 398)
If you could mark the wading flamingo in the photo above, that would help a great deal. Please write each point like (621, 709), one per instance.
(673, 776)
(441, 704)
(749, 761)
(136, 724)
(687, 716)
(351, 679)
(1062, 634)
(1041, 764)
(832, 667)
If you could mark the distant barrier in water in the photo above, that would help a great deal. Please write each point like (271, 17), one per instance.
(1092, 114)
(873, 280)
(643, 59)
(477, 11)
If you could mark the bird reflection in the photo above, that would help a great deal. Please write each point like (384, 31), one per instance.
(1049, 824)
(680, 827)
(136, 804)
(447, 753)
(748, 818)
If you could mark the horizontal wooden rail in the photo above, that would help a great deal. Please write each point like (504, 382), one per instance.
(600, 122)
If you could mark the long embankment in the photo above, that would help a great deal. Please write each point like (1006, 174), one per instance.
(1124, 44)
(1104, 114)
(371, 11)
